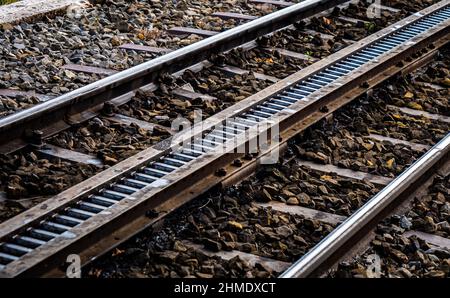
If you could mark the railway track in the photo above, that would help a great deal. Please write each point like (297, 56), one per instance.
(149, 109)
(119, 140)
(91, 155)
(128, 197)
(53, 56)
(250, 231)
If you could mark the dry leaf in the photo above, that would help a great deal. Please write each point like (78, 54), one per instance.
(368, 146)
(397, 116)
(390, 163)
(408, 95)
(415, 106)
(235, 225)
(446, 82)
(329, 179)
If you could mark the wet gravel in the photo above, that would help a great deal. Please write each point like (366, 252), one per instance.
(431, 213)
(340, 32)
(346, 141)
(393, 123)
(408, 257)
(410, 6)
(230, 89)
(228, 219)
(163, 106)
(180, 261)
(26, 178)
(153, 106)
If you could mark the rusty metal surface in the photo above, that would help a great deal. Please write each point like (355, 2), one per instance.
(234, 175)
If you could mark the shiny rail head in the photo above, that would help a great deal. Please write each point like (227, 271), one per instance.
(332, 242)
(224, 40)
(153, 174)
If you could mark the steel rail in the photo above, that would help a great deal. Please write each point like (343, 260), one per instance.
(19, 124)
(176, 186)
(340, 236)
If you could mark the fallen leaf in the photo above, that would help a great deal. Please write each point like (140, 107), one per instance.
(415, 106)
(368, 146)
(390, 163)
(282, 246)
(408, 95)
(397, 116)
(446, 82)
(235, 225)
(329, 179)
